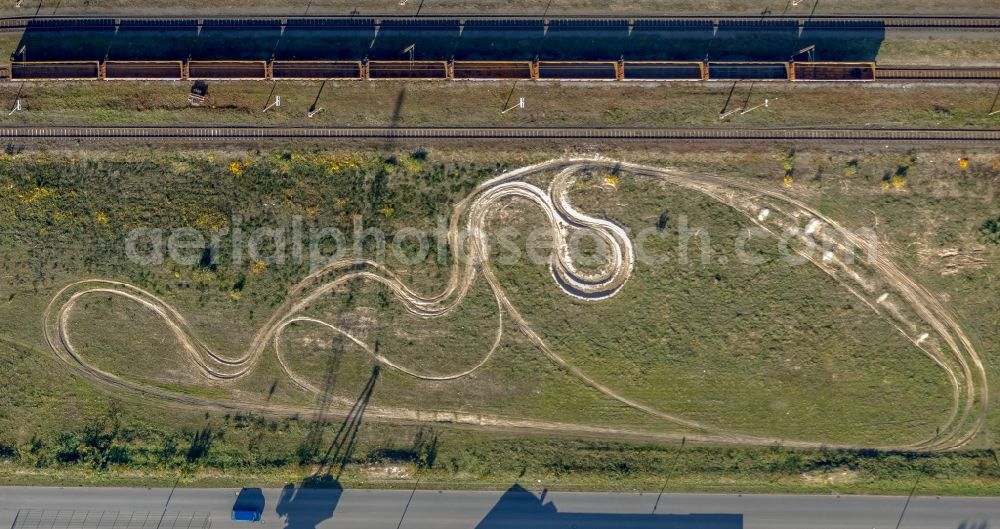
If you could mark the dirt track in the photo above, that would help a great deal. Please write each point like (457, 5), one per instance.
(912, 310)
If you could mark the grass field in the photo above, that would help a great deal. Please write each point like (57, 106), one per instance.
(788, 341)
(778, 350)
(940, 49)
(471, 103)
(773, 350)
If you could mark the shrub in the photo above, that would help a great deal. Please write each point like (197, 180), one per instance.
(7, 452)
(990, 230)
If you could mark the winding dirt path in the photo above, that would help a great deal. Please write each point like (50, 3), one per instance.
(872, 282)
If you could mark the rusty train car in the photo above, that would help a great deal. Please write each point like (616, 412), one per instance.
(451, 48)
(114, 70)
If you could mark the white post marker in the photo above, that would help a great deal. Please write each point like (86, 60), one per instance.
(520, 104)
(277, 103)
(17, 106)
(312, 113)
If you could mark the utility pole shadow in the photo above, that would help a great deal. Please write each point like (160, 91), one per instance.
(314, 438)
(338, 454)
(312, 107)
(316, 498)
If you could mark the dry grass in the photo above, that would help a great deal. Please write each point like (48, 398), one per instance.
(954, 48)
(478, 104)
(941, 206)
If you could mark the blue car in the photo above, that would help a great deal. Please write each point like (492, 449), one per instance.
(246, 515)
(249, 505)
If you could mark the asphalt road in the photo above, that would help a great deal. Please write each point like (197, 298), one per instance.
(361, 509)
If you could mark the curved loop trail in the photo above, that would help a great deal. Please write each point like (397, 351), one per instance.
(915, 312)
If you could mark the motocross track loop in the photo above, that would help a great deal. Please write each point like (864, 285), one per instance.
(911, 309)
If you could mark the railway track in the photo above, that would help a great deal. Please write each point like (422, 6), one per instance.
(210, 133)
(933, 73)
(856, 21)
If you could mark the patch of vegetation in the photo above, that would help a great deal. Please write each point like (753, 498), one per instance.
(66, 215)
(695, 326)
(265, 450)
(990, 230)
(350, 103)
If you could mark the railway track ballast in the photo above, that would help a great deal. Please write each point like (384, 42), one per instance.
(210, 133)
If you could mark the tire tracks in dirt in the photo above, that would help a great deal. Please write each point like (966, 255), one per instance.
(960, 362)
